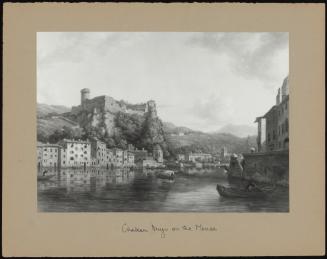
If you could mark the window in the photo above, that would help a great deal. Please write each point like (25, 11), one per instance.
(72, 145)
(71, 158)
(45, 149)
(286, 125)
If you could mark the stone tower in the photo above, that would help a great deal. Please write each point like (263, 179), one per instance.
(85, 95)
(151, 108)
(157, 153)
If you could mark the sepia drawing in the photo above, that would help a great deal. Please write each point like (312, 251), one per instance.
(162, 122)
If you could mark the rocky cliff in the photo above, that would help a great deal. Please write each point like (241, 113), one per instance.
(115, 122)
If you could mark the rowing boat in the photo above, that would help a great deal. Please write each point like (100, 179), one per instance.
(231, 192)
(167, 174)
(44, 177)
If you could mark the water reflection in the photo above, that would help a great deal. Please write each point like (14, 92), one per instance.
(114, 190)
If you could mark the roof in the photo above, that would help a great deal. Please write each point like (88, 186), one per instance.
(258, 119)
(76, 141)
(270, 111)
(199, 154)
(40, 144)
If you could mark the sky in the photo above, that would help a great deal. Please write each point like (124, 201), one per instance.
(200, 80)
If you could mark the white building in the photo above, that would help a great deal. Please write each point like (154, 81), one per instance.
(75, 153)
(48, 155)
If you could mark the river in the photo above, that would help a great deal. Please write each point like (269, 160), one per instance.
(121, 190)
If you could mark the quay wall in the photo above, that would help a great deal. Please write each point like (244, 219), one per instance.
(269, 167)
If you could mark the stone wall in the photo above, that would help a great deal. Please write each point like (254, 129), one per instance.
(269, 167)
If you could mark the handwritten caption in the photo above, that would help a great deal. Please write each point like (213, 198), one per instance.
(164, 230)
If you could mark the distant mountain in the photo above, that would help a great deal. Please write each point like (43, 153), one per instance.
(238, 130)
(209, 143)
(170, 128)
(45, 109)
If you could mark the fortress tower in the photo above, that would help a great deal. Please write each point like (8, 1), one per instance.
(85, 95)
(151, 108)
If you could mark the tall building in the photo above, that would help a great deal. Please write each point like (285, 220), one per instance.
(75, 153)
(48, 155)
(276, 122)
(119, 157)
(99, 151)
(158, 153)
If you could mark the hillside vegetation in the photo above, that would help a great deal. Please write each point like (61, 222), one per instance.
(56, 123)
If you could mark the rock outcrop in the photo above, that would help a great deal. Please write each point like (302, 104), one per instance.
(136, 124)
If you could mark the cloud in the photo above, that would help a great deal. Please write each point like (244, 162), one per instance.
(212, 110)
(76, 47)
(252, 55)
(199, 80)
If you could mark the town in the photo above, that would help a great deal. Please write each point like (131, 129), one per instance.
(70, 153)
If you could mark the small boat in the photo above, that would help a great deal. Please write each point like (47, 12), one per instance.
(167, 174)
(231, 192)
(45, 177)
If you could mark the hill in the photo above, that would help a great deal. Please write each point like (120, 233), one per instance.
(238, 130)
(210, 143)
(170, 128)
(45, 109)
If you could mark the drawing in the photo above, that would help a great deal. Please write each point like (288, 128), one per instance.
(163, 122)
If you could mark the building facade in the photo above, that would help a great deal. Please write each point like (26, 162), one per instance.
(150, 162)
(273, 127)
(75, 153)
(99, 151)
(158, 153)
(180, 157)
(48, 155)
(199, 157)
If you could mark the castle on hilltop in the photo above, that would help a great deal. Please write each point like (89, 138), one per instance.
(101, 111)
(106, 103)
